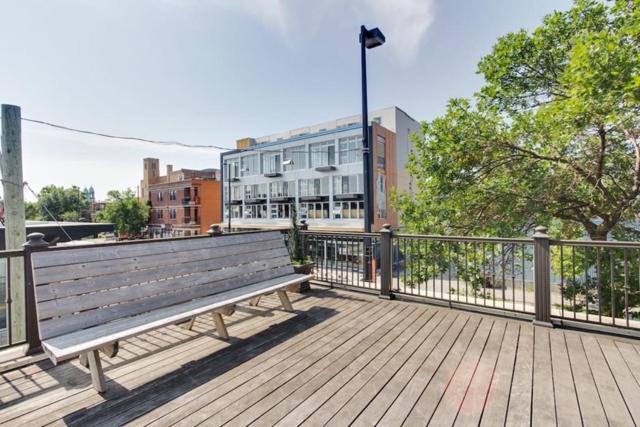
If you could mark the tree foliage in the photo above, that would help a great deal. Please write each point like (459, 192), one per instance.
(128, 214)
(64, 204)
(551, 138)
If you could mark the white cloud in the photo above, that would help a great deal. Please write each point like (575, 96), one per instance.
(404, 22)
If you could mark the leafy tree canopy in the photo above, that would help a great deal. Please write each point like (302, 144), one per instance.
(125, 211)
(551, 138)
(65, 204)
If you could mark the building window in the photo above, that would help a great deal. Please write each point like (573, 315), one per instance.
(381, 199)
(173, 214)
(314, 186)
(348, 210)
(348, 184)
(159, 214)
(319, 210)
(298, 156)
(233, 170)
(255, 191)
(236, 211)
(350, 149)
(271, 163)
(322, 154)
(255, 211)
(282, 189)
(381, 151)
(172, 195)
(250, 165)
(280, 210)
(159, 196)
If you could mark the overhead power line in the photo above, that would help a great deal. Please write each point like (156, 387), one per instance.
(173, 143)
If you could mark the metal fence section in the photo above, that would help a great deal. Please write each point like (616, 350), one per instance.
(486, 272)
(345, 259)
(596, 282)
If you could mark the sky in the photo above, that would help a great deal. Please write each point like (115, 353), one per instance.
(213, 71)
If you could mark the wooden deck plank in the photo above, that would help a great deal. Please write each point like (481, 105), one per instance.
(627, 384)
(543, 405)
(472, 406)
(519, 409)
(588, 397)
(452, 399)
(333, 395)
(373, 400)
(63, 401)
(497, 401)
(425, 407)
(231, 404)
(567, 407)
(342, 409)
(175, 387)
(322, 387)
(370, 361)
(612, 401)
(288, 397)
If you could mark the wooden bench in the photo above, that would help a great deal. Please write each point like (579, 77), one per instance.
(90, 298)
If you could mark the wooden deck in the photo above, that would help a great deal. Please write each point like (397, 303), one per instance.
(343, 358)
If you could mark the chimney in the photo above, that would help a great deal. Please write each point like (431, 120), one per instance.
(169, 172)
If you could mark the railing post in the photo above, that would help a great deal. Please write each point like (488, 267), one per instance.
(215, 230)
(303, 238)
(542, 276)
(386, 262)
(34, 241)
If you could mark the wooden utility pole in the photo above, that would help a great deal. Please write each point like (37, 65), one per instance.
(14, 220)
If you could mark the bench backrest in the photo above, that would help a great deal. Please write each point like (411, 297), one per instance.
(87, 286)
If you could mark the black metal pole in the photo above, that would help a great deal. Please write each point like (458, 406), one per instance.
(365, 135)
(229, 194)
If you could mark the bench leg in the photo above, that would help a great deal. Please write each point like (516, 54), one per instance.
(97, 375)
(284, 299)
(220, 326)
(84, 360)
(189, 325)
(255, 301)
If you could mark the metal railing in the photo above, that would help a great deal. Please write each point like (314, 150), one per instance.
(592, 284)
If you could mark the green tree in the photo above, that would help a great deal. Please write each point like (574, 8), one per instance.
(65, 204)
(31, 211)
(125, 211)
(551, 138)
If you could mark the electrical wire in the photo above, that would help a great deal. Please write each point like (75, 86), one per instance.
(174, 143)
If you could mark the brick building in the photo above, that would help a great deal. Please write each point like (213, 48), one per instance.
(183, 202)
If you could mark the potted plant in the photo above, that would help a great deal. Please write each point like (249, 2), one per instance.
(301, 264)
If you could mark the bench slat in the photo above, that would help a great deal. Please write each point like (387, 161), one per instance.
(63, 325)
(70, 345)
(54, 257)
(84, 285)
(211, 281)
(64, 272)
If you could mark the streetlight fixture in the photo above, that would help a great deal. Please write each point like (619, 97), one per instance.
(369, 39)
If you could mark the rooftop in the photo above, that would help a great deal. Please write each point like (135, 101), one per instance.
(343, 357)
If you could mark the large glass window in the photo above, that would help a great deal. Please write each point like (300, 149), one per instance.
(255, 211)
(236, 193)
(255, 191)
(280, 210)
(298, 157)
(234, 168)
(250, 165)
(319, 210)
(314, 186)
(350, 149)
(348, 210)
(348, 184)
(322, 154)
(236, 211)
(381, 151)
(282, 189)
(271, 163)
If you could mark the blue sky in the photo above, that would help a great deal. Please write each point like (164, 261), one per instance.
(212, 71)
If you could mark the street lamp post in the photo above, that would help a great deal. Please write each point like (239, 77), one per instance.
(368, 40)
(229, 195)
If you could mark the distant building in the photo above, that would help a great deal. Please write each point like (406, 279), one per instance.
(319, 168)
(184, 202)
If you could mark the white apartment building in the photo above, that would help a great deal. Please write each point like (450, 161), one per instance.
(319, 170)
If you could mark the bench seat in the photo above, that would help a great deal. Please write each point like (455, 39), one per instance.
(67, 346)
